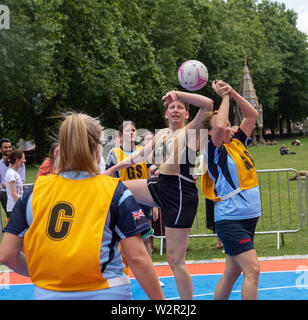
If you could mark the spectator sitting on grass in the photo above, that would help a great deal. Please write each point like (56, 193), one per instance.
(296, 142)
(284, 150)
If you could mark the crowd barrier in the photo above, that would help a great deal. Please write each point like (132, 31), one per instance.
(281, 202)
(306, 196)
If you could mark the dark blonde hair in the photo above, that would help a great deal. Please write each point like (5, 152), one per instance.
(51, 153)
(16, 154)
(124, 125)
(79, 137)
(207, 119)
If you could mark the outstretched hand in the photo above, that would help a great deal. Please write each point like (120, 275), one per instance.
(169, 97)
(221, 88)
(109, 172)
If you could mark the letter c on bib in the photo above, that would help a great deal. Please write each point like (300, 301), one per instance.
(60, 220)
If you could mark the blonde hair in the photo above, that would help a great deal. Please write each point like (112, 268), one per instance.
(79, 137)
(207, 119)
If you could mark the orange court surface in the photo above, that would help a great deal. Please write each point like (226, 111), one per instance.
(281, 278)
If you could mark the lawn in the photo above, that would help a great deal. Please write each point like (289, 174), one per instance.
(280, 206)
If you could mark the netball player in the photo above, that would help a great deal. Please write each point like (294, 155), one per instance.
(139, 171)
(231, 181)
(174, 190)
(70, 225)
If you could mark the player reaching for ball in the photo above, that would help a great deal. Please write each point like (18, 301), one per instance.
(173, 151)
(231, 181)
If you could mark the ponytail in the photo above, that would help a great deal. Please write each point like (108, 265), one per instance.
(79, 136)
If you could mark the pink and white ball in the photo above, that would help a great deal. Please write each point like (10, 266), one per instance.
(193, 75)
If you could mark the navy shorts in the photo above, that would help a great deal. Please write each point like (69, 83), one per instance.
(236, 235)
(177, 198)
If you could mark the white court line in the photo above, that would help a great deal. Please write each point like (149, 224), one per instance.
(220, 274)
(14, 284)
(295, 257)
(237, 291)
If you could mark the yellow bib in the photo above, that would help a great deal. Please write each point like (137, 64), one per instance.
(137, 171)
(207, 187)
(246, 170)
(63, 243)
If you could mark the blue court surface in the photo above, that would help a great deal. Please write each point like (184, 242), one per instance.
(286, 285)
(282, 285)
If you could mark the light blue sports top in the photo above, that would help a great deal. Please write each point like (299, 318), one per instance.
(236, 203)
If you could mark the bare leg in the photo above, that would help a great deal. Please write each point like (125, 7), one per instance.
(226, 282)
(248, 262)
(176, 246)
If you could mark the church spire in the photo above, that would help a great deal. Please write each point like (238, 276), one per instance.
(248, 91)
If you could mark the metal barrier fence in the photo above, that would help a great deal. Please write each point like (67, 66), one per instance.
(306, 196)
(281, 202)
(1, 224)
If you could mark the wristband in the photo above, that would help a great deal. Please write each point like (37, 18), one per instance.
(148, 234)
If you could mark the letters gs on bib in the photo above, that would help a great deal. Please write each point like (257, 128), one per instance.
(134, 172)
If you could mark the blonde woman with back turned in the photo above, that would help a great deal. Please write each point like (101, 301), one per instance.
(70, 225)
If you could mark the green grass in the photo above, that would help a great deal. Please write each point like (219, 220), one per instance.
(274, 216)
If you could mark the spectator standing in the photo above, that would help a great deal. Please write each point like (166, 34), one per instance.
(6, 150)
(13, 181)
(48, 166)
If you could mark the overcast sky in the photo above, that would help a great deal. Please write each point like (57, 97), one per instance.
(301, 8)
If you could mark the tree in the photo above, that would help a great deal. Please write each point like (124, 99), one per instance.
(63, 55)
(28, 70)
(115, 59)
(232, 29)
(290, 48)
